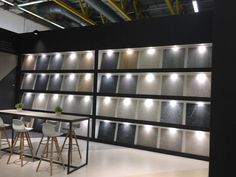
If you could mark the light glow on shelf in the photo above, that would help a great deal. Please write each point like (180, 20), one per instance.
(57, 76)
(200, 104)
(148, 102)
(108, 75)
(29, 76)
(128, 76)
(149, 77)
(127, 101)
(126, 124)
(173, 103)
(201, 49)
(195, 6)
(72, 76)
(44, 56)
(106, 121)
(87, 76)
(172, 131)
(29, 57)
(28, 94)
(73, 56)
(43, 75)
(147, 128)
(129, 51)
(55, 97)
(86, 99)
(107, 100)
(175, 48)
(200, 135)
(201, 78)
(41, 96)
(174, 76)
(58, 55)
(70, 97)
(89, 55)
(151, 51)
(110, 53)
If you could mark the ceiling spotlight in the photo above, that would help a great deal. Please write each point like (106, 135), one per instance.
(148, 102)
(43, 75)
(173, 103)
(58, 55)
(195, 6)
(72, 56)
(89, 55)
(172, 130)
(149, 77)
(151, 51)
(44, 55)
(107, 100)
(87, 77)
(201, 49)
(174, 77)
(36, 32)
(86, 99)
(148, 128)
(128, 76)
(200, 135)
(201, 78)
(57, 76)
(72, 76)
(55, 97)
(70, 97)
(127, 101)
(200, 104)
(129, 51)
(108, 75)
(175, 48)
(110, 53)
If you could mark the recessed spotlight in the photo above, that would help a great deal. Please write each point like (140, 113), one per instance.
(107, 100)
(201, 49)
(73, 56)
(110, 53)
(36, 32)
(151, 51)
(28, 94)
(172, 130)
(149, 77)
(174, 76)
(148, 128)
(108, 75)
(41, 96)
(72, 76)
(200, 104)
(57, 76)
(43, 75)
(70, 97)
(87, 76)
(129, 51)
(128, 76)
(106, 121)
(44, 56)
(201, 78)
(175, 48)
(127, 101)
(29, 76)
(55, 97)
(86, 99)
(200, 135)
(173, 103)
(58, 55)
(30, 57)
(89, 55)
(126, 124)
(148, 102)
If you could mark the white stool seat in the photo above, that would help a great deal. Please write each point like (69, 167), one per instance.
(49, 130)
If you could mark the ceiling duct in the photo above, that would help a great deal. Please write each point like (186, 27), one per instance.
(103, 9)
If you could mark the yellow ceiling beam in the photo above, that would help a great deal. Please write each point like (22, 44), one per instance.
(170, 7)
(74, 11)
(119, 9)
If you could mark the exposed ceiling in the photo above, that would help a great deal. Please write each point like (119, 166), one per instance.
(73, 13)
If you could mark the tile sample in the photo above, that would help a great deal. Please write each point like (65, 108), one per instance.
(106, 131)
(40, 101)
(108, 84)
(171, 112)
(29, 62)
(197, 143)
(173, 59)
(149, 84)
(147, 136)
(126, 133)
(82, 131)
(55, 82)
(198, 115)
(126, 108)
(128, 84)
(199, 86)
(41, 82)
(85, 83)
(171, 139)
(56, 62)
(77, 104)
(69, 82)
(28, 81)
(42, 62)
(172, 86)
(53, 101)
(86, 61)
(109, 62)
(71, 62)
(198, 58)
(149, 60)
(106, 107)
(147, 110)
(128, 61)
(28, 99)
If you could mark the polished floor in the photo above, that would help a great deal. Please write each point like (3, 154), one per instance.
(111, 161)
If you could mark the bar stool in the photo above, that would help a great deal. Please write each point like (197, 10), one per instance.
(66, 128)
(51, 134)
(3, 131)
(22, 132)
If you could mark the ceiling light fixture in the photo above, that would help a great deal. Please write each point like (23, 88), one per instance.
(195, 6)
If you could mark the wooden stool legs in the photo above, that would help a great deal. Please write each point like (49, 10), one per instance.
(22, 136)
(45, 152)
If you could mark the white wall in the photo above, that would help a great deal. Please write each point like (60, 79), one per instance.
(18, 24)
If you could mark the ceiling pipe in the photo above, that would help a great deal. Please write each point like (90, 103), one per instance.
(52, 8)
(103, 9)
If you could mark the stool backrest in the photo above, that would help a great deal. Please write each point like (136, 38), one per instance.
(18, 125)
(28, 121)
(48, 128)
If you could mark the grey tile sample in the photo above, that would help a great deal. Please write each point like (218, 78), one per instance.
(170, 87)
(108, 85)
(56, 62)
(106, 131)
(69, 84)
(146, 137)
(171, 141)
(199, 60)
(41, 82)
(126, 134)
(147, 87)
(194, 88)
(108, 109)
(54, 101)
(28, 100)
(198, 115)
(29, 63)
(150, 60)
(42, 63)
(126, 111)
(55, 82)
(147, 113)
(171, 114)
(173, 59)
(128, 85)
(77, 105)
(40, 102)
(197, 145)
(109, 62)
(70, 63)
(28, 81)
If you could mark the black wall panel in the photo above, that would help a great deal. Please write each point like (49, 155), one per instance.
(126, 133)
(41, 82)
(109, 62)
(106, 131)
(108, 85)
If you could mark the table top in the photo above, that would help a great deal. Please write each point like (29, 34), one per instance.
(43, 115)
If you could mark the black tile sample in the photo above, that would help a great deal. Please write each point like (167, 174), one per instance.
(56, 62)
(41, 82)
(28, 100)
(173, 59)
(199, 60)
(42, 63)
(128, 85)
(55, 82)
(126, 133)
(28, 81)
(106, 131)
(198, 116)
(109, 62)
(108, 85)
(171, 114)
